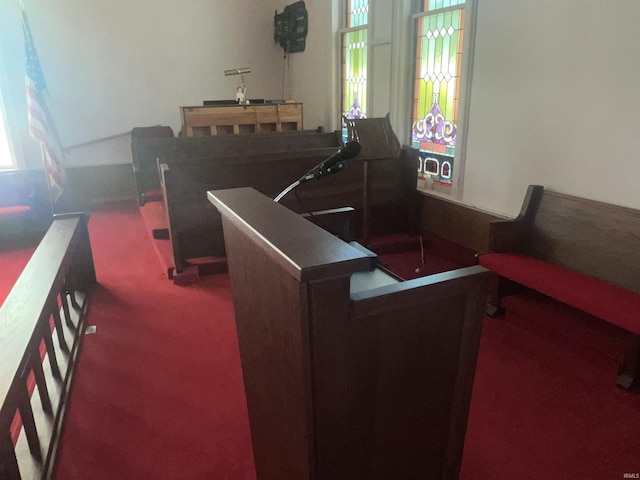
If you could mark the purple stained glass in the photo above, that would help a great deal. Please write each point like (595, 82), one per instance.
(355, 111)
(434, 127)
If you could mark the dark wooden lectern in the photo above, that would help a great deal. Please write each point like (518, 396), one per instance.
(340, 385)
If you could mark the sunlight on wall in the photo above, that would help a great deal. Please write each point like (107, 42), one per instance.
(6, 156)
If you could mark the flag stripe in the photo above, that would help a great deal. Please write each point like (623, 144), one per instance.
(41, 125)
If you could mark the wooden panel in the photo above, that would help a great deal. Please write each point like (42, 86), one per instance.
(422, 338)
(458, 223)
(288, 115)
(102, 183)
(196, 226)
(590, 237)
(274, 353)
(373, 385)
(146, 151)
(274, 344)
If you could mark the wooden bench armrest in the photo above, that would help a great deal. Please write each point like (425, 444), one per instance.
(511, 235)
(506, 235)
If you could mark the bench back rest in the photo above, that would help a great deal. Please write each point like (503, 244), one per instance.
(146, 151)
(195, 225)
(595, 238)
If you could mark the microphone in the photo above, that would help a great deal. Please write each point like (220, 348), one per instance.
(334, 163)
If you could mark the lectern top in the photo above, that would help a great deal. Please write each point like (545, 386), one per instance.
(305, 250)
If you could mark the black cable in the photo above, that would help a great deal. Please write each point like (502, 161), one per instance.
(295, 192)
(317, 220)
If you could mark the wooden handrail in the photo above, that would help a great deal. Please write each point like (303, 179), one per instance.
(47, 304)
(97, 140)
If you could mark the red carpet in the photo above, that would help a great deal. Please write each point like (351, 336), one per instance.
(540, 411)
(12, 262)
(417, 256)
(155, 217)
(158, 392)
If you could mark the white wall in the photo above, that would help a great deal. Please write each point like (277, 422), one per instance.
(555, 101)
(554, 97)
(310, 77)
(112, 65)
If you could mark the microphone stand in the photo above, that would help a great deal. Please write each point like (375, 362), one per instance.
(286, 190)
(316, 172)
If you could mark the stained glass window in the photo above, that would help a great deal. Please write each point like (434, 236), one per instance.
(429, 5)
(357, 13)
(354, 71)
(354, 61)
(437, 88)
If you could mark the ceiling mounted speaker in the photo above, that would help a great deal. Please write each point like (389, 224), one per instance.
(291, 27)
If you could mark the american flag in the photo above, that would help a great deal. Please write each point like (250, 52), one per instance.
(41, 127)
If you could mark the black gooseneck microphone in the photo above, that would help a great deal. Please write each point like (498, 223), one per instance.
(334, 163)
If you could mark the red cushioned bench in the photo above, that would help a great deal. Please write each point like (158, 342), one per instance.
(580, 252)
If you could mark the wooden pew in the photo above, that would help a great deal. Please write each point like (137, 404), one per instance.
(578, 251)
(60, 272)
(144, 167)
(147, 150)
(195, 226)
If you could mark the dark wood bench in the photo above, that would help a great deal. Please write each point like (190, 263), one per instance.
(195, 226)
(48, 305)
(578, 251)
(153, 143)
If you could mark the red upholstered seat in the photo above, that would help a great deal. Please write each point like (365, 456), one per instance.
(600, 299)
(10, 212)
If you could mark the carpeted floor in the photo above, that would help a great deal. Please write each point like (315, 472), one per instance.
(158, 392)
(12, 262)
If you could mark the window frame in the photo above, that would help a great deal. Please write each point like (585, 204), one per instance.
(466, 73)
(342, 30)
(6, 131)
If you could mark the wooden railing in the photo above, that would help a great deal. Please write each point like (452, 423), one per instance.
(41, 324)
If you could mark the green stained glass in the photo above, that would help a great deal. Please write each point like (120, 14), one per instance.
(354, 74)
(455, 21)
(357, 13)
(446, 54)
(439, 22)
(431, 5)
(438, 54)
(437, 80)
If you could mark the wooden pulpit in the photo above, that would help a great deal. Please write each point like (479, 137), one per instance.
(346, 383)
